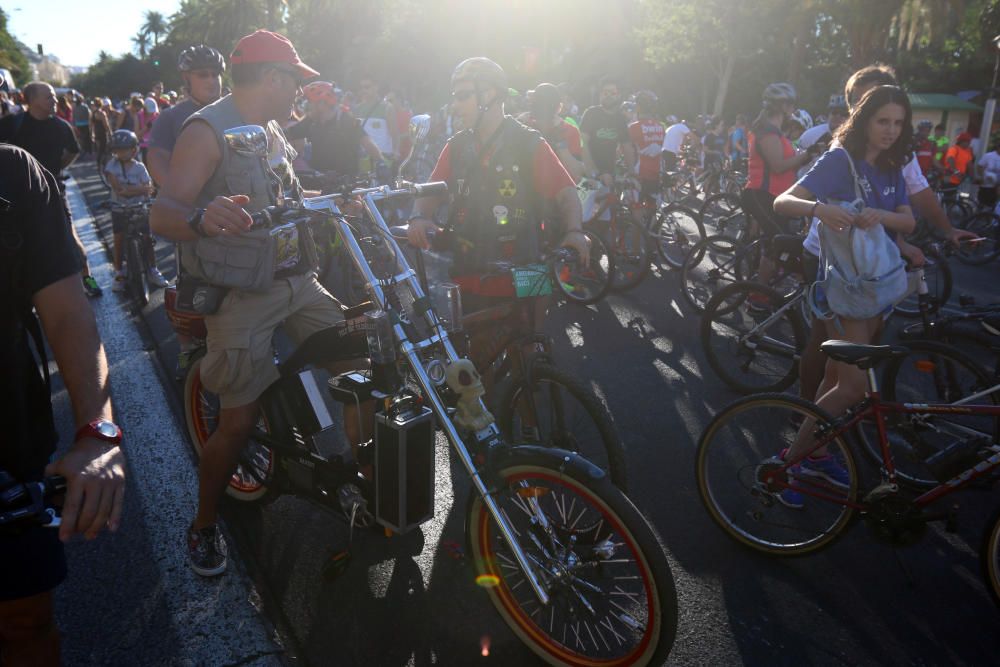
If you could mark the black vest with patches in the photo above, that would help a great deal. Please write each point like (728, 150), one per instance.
(495, 211)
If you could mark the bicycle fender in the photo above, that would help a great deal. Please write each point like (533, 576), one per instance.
(562, 460)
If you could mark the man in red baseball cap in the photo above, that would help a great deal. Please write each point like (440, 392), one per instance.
(211, 191)
(958, 160)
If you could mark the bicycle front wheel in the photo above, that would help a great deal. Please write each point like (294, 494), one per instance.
(752, 495)
(710, 266)
(987, 226)
(586, 284)
(561, 411)
(676, 230)
(612, 595)
(751, 339)
(137, 280)
(989, 555)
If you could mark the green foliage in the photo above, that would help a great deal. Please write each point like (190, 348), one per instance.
(116, 77)
(10, 56)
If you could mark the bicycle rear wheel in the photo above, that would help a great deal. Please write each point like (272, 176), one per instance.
(676, 230)
(586, 284)
(137, 280)
(989, 556)
(561, 411)
(629, 244)
(751, 339)
(987, 226)
(249, 482)
(613, 601)
(741, 477)
(932, 373)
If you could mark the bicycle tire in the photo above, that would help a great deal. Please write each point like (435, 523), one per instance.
(987, 225)
(598, 443)
(201, 417)
(676, 229)
(989, 556)
(629, 243)
(645, 622)
(136, 279)
(729, 505)
(732, 311)
(590, 284)
(937, 275)
(709, 267)
(958, 211)
(953, 375)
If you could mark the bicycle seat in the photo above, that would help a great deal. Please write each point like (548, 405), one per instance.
(862, 356)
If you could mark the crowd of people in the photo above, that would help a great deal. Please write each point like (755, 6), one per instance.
(507, 157)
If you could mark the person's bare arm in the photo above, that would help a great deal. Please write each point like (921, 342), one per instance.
(158, 163)
(193, 161)
(927, 205)
(628, 151)
(797, 202)
(588, 159)
(900, 220)
(68, 159)
(572, 163)
(371, 149)
(94, 471)
(770, 149)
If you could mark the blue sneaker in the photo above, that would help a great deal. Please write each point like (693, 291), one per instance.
(791, 498)
(828, 468)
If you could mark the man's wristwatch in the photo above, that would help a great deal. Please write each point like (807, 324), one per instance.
(194, 222)
(100, 429)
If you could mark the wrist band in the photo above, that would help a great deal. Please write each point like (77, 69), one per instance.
(812, 212)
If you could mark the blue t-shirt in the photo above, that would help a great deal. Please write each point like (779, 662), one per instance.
(737, 137)
(830, 178)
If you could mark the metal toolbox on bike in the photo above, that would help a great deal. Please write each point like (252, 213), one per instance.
(404, 469)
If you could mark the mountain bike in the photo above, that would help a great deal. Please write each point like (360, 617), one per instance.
(624, 237)
(744, 479)
(136, 250)
(570, 564)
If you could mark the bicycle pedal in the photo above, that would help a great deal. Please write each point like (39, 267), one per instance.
(336, 565)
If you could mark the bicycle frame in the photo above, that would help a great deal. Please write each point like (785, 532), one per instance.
(407, 277)
(872, 407)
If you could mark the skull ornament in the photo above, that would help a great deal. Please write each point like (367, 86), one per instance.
(463, 379)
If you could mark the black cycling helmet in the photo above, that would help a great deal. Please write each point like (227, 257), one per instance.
(200, 57)
(123, 139)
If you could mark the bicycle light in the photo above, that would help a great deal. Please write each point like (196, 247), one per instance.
(447, 299)
(381, 345)
(404, 468)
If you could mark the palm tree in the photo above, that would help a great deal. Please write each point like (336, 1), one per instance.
(155, 25)
(141, 41)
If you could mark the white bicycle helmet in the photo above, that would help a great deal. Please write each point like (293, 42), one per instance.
(802, 117)
(150, 104)
(779, 92)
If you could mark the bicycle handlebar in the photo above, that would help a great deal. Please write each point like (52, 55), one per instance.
(24, 503)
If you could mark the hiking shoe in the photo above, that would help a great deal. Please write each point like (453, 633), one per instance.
(156, 278)
(207, 551)
(91, 287)
(828, 468)
(118, 285)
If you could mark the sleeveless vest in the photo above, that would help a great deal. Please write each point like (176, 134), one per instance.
(236, 174)
(495, 213)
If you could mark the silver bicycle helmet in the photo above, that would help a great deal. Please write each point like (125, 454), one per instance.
(200, 57)
(779, 92)
(121, 139)
(802, 117)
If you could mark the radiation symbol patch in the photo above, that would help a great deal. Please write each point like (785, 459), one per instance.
(507, 188)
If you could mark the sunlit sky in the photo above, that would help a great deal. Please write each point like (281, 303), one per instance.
(77, 30)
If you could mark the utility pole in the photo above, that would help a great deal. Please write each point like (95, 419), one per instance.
(991, 104)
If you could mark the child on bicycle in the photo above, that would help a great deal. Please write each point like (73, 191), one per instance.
(130, 184)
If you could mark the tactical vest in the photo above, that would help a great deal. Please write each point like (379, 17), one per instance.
(236, 174)
(495, 213)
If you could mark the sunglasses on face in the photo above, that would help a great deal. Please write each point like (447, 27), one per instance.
(462, 95)
(296, 77)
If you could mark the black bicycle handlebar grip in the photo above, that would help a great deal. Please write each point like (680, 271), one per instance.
(434, 189)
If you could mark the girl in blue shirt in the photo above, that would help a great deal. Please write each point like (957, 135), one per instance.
(877, 139)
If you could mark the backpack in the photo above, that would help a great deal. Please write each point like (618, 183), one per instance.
(863, 271)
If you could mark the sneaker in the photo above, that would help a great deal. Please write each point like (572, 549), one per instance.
(119, 282)
(828, 468)
(156, 278)
(184, 359)
(91, 287)
(207, 551)
(758, 303)
(790, 497)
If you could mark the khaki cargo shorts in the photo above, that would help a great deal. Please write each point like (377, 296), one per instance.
(239, 364)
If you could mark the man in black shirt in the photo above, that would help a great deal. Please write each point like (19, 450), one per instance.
(52, 142)
(604, 130)
(38, 268)
(336, 136)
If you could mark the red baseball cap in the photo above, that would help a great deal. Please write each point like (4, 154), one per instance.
(265, 46)
(965, 136)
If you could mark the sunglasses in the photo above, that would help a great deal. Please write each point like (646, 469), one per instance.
(294, 73)
(462, 95)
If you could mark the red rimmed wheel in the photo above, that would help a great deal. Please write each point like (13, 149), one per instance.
(201, 413)
(612, 597)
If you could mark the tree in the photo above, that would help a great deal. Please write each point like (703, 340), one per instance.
(141, 41)
(10, 54)
(218, 23)
(155, 25)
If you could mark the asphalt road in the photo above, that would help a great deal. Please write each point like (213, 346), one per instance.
(411, 600)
